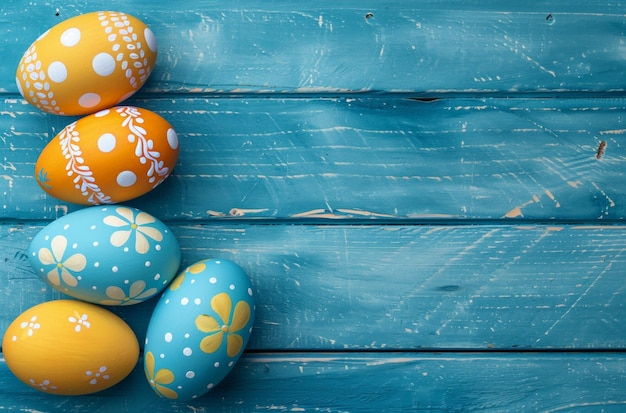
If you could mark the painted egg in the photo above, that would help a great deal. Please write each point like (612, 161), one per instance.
(87, 63)
(198, 329)
(69, 347)
(110, 156)
(109, 255)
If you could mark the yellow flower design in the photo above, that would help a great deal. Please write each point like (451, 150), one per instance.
(225, 326)
(63, 268)
(136, 294)
(194, 269)
(159, 379)
(137, 224)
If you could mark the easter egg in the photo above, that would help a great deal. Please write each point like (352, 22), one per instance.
(87, 63)
(199, 329)
(110, 156)
(69, 347)
(109, 255)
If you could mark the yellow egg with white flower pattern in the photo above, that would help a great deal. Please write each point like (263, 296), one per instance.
(69, 347)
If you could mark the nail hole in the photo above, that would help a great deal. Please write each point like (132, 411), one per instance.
(369, 15)
(57, 13)
(550, 18)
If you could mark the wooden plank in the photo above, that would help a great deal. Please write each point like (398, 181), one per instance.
(360, 158)
(389, 382)
(329, 46)
(394, 286)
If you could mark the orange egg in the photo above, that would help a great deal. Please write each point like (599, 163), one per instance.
(110, 156)
(87, 63)
(69, 347)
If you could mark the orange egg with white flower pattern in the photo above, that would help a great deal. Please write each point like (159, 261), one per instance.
(69, 347)
(110, 156)
(87, 63)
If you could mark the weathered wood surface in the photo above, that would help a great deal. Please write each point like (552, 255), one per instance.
(326, 46)
(399, 287)
(374, 158)
(416, 190)
(362, 382)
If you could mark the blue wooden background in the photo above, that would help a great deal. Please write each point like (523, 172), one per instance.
(416, 189)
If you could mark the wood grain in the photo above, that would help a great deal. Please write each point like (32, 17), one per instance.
(398, 287)
(329, 46)
(355, 382)
(360, 158)
(428, 197)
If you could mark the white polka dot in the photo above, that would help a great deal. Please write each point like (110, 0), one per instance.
(216, 364)
(156, 277)
(187, 351)
(232, 286)
(19, 86)
(184, 301)
(106, 142)
(70, 37)
(14, 338)
(250, 292)
(162, 355)
(103, 64)
(114, 269)
(57, 72)
(102, 113)
(168, 337)
(186, 335)
(96, 264)
(213, 280)
(89, 100)
(147, 263)
(210, 385)
(197, 301)
(95, 243)
(150, 39)
(190, 374)
(172, 138)
(126, 178)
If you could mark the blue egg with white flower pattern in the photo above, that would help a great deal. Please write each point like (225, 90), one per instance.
(109, 255)
(199, 329)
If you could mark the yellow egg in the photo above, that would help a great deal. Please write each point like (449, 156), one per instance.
(69, 347)
(87, 63)
(110, 156)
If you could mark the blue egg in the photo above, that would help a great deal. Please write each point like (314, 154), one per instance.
(109, 255)
(199, 329)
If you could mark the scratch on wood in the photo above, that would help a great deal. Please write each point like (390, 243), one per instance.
(580, 297)
(239, 212)
(557, 204)
(517, 211)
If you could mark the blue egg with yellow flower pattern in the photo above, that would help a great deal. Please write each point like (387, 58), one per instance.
(109, 255)
(199, 329)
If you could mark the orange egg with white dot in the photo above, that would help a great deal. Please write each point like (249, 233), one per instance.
(87, 63)
(111, 156)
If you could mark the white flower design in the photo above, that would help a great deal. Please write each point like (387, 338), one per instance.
(63, 268)
(80, 321)
(136, 294)
(99, 374)
(44, 385)
(133, 224)
(32, 325)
